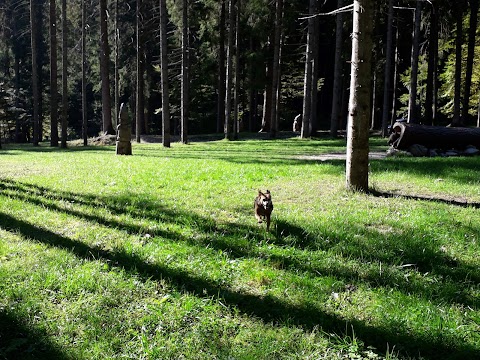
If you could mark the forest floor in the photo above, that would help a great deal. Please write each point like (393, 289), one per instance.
(159, 256)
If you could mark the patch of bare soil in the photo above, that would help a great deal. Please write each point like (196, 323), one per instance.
(376, 155)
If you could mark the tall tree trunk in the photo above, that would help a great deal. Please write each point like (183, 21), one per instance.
(387, 83)
(430, 105)
(116, 70)
(315, 69)
(35, 75)
(337, 74)
(457, 120)
(64, 75)
(412, 99)
(140, 106)
(307, 89)
(185, 74)
(53, 76)
(236, 95)
(105, 71)
(164, 75)
(221, 69)
(360, 91)
(84, 74)
(229, 72)
(267, 97)
(471, 53)
(276, 68)
(19, 133)
(395, 77)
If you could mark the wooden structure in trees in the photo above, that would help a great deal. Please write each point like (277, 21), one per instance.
(124, 132)
(405, 135)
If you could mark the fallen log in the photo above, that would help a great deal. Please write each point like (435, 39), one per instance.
(404, 135)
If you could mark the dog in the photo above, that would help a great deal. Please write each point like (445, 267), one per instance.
(263, 207)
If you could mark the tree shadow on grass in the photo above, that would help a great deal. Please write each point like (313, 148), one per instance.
(22, 341)
(268, 308)
(226, 239)
(435, 199)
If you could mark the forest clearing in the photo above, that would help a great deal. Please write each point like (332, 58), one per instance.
(159, 256)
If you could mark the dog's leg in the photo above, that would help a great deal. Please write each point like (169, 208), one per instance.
(259, 218)
(268, 222)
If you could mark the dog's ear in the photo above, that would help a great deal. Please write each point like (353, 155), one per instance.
(267, 192)
(260, 193)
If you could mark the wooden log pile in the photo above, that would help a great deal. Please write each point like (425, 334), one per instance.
(424, 140)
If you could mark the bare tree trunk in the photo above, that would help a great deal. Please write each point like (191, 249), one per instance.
(315, 67)
(387, 84)
(185, 74)
(35, 76)
(105, 71)
(337, 74)
(471, 52)
(412, 100)
(307, 89)
(84, 74)
(140, 106)
(229, 75)
(164, 74)
(432, 67)
(360, 91)
(116, 71)
(221, 69)
(236, 95)
(395, 76)
(267, 98)
(457, 120)
(53, 76)
(64, 75)
(276, 68)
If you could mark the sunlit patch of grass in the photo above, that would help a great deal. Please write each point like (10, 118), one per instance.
(158, 255)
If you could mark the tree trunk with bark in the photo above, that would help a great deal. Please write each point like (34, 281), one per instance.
(337, 74)
(236, 94)
(360, 92)
(307, 89)
(387, 83)
(164, 75)
(433, 137)
(185, 99)
(140, 105)
(221, 69)
(84, 75)
(457, 101)
(64, 75)
(229, 72)
(35, 75)
(470, 57)
(276, 68)
(105, 71)
(412, 99)
(53, 76)
(430, 96)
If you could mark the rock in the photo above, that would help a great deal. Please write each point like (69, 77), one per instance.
(418, 150)
(471, 150)
(452, 153)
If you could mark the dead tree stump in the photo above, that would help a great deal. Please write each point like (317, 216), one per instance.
(124, 132)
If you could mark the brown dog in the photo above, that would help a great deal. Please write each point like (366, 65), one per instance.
(263, 207)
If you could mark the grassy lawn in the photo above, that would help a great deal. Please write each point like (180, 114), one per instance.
(159, 256)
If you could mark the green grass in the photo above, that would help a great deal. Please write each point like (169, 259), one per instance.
(158, 255)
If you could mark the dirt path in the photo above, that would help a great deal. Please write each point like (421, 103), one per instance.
(375, 155)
